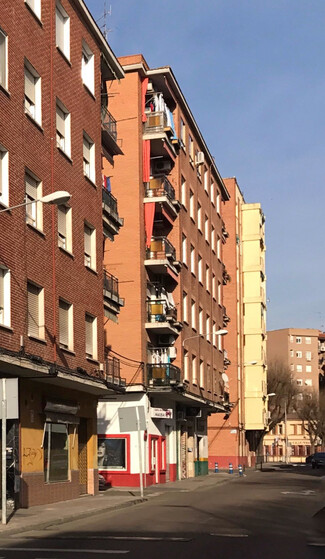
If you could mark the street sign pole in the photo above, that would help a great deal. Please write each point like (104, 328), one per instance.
(140, 452)
(4, 453)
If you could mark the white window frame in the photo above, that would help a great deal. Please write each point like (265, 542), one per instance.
(4, 176)
(89, 168)
(308, 340)
(218, 202)
(212, 198)
(201, 374)
(299, 368)
(199, 216)
(298, 340)
(91, 319)
(207, 278)
(308, 382)
(33, 93)
(308, 369)
(213, 238)
(3, 59)
(201, 321)
(308, 355)
(214, 336)
(193, 314)
(184, 248)
(194, 369)
(62, 28)
(206, 228)
(35, 6)
(206, 180)
(182, 133)
(185, 309)
(183, 191)
(214, 286)
(63, 128)
(90, 255)
(5, 299)
(192, 212)
(191, 149)
(88, 67)
(36, 328)
(193, 271)
(186, 364)
(66, 309)
(219, 293)
(34, 210)
(219, 248)
(299, 354)
(65, 227)
(200, 268)
(208, 328)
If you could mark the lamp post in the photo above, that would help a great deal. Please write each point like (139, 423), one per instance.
(217, 333)
(58, 197)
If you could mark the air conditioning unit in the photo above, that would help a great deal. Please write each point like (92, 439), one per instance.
(172, 352)
(180, 416)
(199, 158)
(161, 166)
(165, 339)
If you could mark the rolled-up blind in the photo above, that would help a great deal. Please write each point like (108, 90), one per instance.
(33, 309)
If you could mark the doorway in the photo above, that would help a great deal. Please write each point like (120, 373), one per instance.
(82, 456)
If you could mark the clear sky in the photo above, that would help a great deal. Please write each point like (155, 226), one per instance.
(253, 74)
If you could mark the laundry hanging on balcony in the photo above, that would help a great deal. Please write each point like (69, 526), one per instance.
(149, 216)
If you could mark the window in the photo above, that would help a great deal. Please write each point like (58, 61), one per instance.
(193, 314)
(33, 101)
(219, 292)
(90, 246)
(4, 176)
(112, 453)
(308, 368)
(34, 210)
(292, 367)
(198, 167)
(35, 5)
(200, 274)
(184, 249)
(183, 134)
(191, 148)
(219, 342)
(299, 354)
(200, 321)
(185, 313)
(299, 382)
(206, 180)
(218, 202)
(207, 277)
(201, 373)
(56, 452)
(66, 324)
(308, 355)
(214, 286)
(298, 340)
(3, 60)
(219, 248)
(192, 205)
(193, 260)
(87, 67)
(194, 371)
(299, 368)
(308, 382)
(207, 328)
(212, 193)
(291, 352)
(199, 216)
(89, 158)
(4, 296)
(280, 429)
(308, 340)
(206, 228)
(65, 227)
(214, 337)
(291, 338)
(35, 304)
(91, 336)
(63, 128)
(62, 22)
(186, 372)
(213, 238)
(183, 192)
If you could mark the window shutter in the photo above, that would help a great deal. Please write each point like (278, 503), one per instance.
(89, 335)
(60, 121)
(62, 221)
(60, 29)
(87, 240)
(86, 150)
(2, 273)
(29, 85)
(31, 187)
(2, 59)
(33, 309)
(64, 323)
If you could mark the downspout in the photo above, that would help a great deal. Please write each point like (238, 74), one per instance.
(52, 138)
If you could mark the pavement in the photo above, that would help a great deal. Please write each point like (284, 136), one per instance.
(43, 516)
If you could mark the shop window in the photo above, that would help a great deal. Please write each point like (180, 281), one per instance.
(112, 453)
(56, 452)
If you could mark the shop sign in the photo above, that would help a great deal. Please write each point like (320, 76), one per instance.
(161, 413)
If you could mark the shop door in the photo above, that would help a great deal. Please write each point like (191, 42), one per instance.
(154, 459)
(82, 456)
(183, 453)
(168, 453)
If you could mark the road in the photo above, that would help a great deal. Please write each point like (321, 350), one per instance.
(264, 515)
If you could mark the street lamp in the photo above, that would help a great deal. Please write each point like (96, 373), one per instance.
(59, 197)
(217, 333)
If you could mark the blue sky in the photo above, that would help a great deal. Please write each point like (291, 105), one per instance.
(253, 74)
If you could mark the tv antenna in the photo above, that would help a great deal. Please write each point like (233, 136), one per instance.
(107, 12)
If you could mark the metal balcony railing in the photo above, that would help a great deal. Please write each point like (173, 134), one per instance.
(156, 122)
(163, 374)
(109, 123)
(112, 371)
(160, 187)
(158, 311)
(110, 200)
(160, 249)
(110, 283)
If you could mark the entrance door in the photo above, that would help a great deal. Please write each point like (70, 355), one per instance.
(82, 456)
(154, 459)
(168, 453)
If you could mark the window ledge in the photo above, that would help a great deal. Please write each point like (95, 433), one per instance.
(92, 360)
(37, 124)
(39, 231)
(91, 270)
(4, 206)
(5, 327)
(64, 153)
(67, 350)
(36, 339)
(64, 56)
(89, 91)
(67, 252)
(35, 16)
(5, 90)
(91, 181)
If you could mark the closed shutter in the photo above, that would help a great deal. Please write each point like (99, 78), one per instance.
(60, 121)
(89, 335)
(3, 63)
(86, 150)
(60, 29)
(87, 236)
(62, 221)
(33, 309)
(30, 86)
(64, 323)
(31, 187)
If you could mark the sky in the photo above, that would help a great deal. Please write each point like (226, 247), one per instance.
(252, 72)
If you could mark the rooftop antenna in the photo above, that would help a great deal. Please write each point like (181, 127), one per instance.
(107, 12)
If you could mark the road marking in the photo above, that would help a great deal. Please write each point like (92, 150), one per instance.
(50, 549)
(307, 492)
(316, 544)
(124, 538)
(229, 535)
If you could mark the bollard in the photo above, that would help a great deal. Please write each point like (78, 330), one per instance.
(240, 469)
(231, 470)
(216, 468)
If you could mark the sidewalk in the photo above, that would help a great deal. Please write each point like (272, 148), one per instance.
(42, 516)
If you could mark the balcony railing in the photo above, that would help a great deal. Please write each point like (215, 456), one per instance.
(160, 249)
(160, 187)
(110, 201)
(112, 371)
(158, 311)
(163, 374)
(156, 122)
(111, 284)
(109, 123)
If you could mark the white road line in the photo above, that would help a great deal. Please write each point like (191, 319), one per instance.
(229, 535)
(124, 538)
(50, 549)
(316, 544)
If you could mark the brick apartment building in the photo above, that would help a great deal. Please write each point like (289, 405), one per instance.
(234, 437)
(298, 349)
(55, 134)
(169, 260)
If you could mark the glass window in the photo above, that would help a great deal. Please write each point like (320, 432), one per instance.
(56, 452)
(87, 67)
(65, 324)
(91, 336)
(308, 340)
(191, 148)
(34, 210)
(35, 303)
(90, 246)
(183, 134)
(33, 104)
(62, 21)
(35, 5)
(89, 158)
(65, 228)
(3, 60)
(63, 133)
(4, 296)
(4, 176)
(183, 192)
(112, 453)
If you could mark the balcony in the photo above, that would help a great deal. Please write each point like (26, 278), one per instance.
(225, 276)
(109, 133)
(161, 258)
(162, 192)
(161, 318)
(111, 220)
(112, 372)
(157, 130)
(226, 318)
(226, 361)
(163, 374)
(112, 300)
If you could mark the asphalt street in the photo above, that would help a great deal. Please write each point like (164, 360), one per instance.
(266, 514)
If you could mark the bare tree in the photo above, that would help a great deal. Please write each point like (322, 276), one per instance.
(311, 410)
(280, 383)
